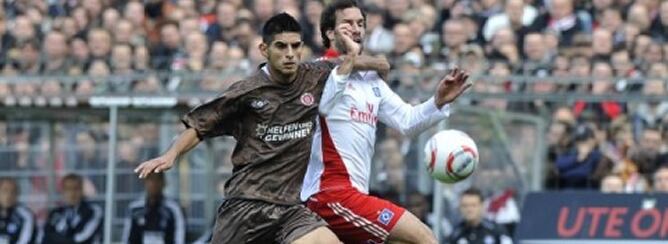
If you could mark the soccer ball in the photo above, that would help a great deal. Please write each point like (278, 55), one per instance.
(451, 156)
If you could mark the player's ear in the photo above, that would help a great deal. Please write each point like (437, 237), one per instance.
(263, 49)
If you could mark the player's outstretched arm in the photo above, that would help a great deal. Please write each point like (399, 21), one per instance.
(186, 141)
(412, 120)
(450, 87)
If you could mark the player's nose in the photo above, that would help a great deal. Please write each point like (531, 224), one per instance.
(290, 54)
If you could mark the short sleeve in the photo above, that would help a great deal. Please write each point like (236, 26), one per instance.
(213, 118)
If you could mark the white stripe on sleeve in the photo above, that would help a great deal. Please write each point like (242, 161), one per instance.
(28, 226)
(92, 225)
(180, 225)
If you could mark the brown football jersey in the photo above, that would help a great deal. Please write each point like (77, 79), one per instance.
(273, 125)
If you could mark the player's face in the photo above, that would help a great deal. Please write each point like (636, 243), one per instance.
(8, 194)
(284, 53)
(471, 208)
(353, 18)
(72, 192)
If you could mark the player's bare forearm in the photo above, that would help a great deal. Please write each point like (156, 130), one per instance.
(366, 62)
(186, 141)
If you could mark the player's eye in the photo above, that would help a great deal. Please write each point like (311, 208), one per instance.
(280, 45)
(296, 45)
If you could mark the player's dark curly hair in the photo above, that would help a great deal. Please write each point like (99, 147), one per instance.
(278, 24)
(328, 17)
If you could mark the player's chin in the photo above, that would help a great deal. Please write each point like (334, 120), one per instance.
(288, 70)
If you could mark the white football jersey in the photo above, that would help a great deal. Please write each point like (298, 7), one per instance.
(345, 136)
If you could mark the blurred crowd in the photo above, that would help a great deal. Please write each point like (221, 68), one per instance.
(598, 47)
(97, 46)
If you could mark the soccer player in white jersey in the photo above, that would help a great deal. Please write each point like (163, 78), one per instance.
(336, 182)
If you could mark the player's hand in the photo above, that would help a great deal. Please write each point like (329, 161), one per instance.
(344, 32)
(155, 165)
(451, 86)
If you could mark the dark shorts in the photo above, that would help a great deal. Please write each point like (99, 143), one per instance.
(253, 221)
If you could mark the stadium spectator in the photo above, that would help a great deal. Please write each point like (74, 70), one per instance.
(537, 58)
(23, 30)
(454, 38)
(395, 11)
(27, 57)
(602, 44)
(622, 64)
(77, 220)
(405, 45)
(474, 228)
(167, 54)
(661, 179)
(79, 54)
(612, 184)
(561, 17)
(650, 113)
(648, 154)
(504, 47)
(379, 39)
(263, 10)
(156, 218)
(123, 32)
(17, 222)
(577, 164)
(613, 22)
(55, 54)
(141, 59)
(639, 16)
(516, 15)
(99, 43)
(195, 47)
(659, 26)
(110, 17)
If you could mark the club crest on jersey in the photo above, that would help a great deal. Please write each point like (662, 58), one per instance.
(307, 99)
(385, 216)
(376, 91)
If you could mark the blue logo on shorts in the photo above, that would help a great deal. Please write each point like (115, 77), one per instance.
(376, 91)
(385, 216)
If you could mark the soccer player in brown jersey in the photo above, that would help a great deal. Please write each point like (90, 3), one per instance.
(272, 115)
